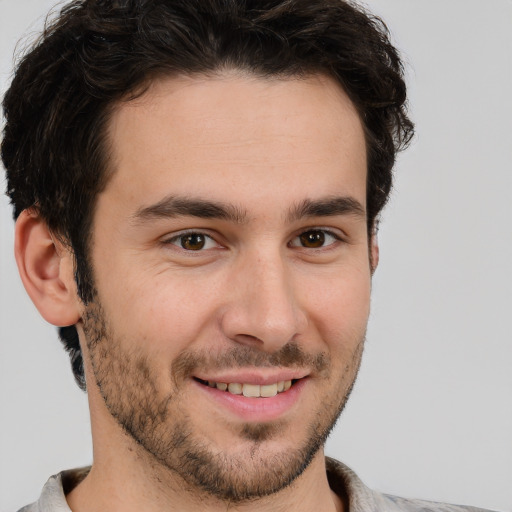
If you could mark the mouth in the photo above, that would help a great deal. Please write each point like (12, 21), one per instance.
(253, 396)
(250, 390)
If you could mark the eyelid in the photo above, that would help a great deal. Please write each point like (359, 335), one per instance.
(334, 233)
(174, 237)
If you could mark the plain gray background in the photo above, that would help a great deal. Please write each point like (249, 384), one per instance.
(431, 414)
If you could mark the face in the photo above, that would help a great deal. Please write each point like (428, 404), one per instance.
(231, 266)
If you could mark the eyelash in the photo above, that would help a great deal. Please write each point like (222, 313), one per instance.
(179, 239)
(319, 231)
(175, 240)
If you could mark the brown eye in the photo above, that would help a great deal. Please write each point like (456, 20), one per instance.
(315, 239)
(193, 241)
(312, 239)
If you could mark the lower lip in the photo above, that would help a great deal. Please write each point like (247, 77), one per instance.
(256, 409)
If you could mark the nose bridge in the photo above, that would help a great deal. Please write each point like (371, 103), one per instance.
(265, 308)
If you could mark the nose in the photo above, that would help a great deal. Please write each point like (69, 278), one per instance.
(263, 309)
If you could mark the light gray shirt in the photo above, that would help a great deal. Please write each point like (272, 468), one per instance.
(343, 481)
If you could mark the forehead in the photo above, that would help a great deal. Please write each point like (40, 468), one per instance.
(238, 134)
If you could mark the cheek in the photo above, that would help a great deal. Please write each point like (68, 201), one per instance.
(340, 309)
(166, 312)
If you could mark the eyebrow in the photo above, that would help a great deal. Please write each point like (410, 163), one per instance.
(172, 206)
(328, 207)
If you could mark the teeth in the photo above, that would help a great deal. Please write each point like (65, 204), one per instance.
(235, 388)
(252, 390)
(267, 391)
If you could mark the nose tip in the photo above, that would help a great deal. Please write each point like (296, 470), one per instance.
(269, 335)
(253, 329)
(265, 312)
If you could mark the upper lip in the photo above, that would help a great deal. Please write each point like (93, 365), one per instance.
(261, 377)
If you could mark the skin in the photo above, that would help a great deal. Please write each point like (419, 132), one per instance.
(258, 299)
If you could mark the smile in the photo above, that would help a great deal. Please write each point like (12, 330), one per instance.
(250, 390)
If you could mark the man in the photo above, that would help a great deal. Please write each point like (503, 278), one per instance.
(196, 190)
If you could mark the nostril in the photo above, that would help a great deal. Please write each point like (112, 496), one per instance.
(247, 339)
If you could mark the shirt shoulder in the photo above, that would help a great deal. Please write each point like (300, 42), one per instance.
(344, 481)
(398, 504)
(30, 508)
(53, 495)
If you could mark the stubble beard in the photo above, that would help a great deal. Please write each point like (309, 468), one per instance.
(130, 392)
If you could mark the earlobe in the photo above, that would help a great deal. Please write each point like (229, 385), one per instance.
(46, 269)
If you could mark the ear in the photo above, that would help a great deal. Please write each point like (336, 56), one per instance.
(374, 248)
(46, 269)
